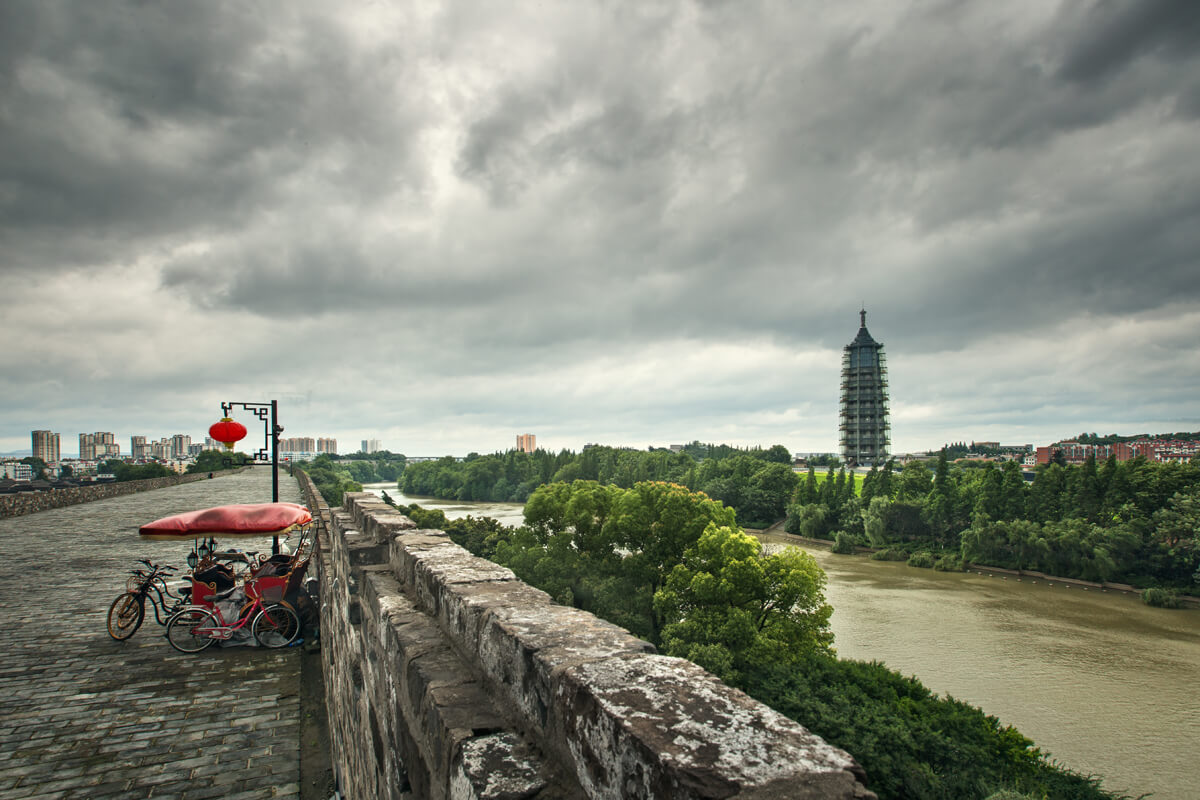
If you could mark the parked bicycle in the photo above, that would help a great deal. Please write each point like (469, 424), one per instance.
(196, 627)
(127, 612)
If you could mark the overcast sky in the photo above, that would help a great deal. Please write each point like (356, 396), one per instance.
(633, 223)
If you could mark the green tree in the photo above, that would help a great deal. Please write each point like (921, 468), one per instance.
(939, 506)
(887, 485)
(727, 606)
(1046, 493)
(808, 492)
(777, 454)
(875, 517)
(807, 520)
(1087, 498)
(214, 460)
(1012, 492)
(38, 466)
(767, 493)
(914, 482)
(1179, 523)
(609, 549)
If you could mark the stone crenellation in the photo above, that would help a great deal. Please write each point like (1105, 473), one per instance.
(446, 677)
(16, 505)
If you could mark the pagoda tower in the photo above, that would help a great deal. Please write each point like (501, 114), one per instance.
(864, 409)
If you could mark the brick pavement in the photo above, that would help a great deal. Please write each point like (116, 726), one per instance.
(83, 716)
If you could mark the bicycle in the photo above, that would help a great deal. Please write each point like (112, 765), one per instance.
(127, 612)
(196, 627)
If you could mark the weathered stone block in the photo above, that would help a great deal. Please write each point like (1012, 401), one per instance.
(520, 648)
(465, 607)
(496, 767)
(653, 726)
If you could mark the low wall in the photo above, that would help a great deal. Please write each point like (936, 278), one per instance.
(446, 677)
(16, 505)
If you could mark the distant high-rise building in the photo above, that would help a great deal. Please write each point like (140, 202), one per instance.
(526, 442)
(298, 444)
(47, 446)
(327, 446)
(370, 446)
(180, 443)
(864, 401)
(98, 445)
(137, 448)
(161, 450)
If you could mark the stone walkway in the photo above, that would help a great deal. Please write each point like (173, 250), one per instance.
(83, 716)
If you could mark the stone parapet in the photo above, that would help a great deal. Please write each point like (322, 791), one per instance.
(449, 678)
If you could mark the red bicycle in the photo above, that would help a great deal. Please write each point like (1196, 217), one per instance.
(197, 627)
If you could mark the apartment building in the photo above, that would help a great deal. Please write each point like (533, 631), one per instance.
(47, 446)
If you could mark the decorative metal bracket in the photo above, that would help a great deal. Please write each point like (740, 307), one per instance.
(264, 412)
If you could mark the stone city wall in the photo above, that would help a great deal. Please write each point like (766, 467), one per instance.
(15, 505)
(446, 677)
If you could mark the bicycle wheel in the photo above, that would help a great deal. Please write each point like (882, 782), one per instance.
(275, 626)
(181, 629)
(125, 615)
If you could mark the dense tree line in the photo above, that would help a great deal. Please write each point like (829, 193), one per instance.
(1133, 522)
(674, 567)
(334, 475)
(332, 478)
(757, 483)
(213, 460)
(378, 467)
(125, 471)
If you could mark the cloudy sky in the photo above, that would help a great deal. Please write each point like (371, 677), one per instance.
(634, 223)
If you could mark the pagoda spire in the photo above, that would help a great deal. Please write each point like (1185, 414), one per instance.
(862, 317)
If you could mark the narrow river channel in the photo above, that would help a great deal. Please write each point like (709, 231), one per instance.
(1106, 684)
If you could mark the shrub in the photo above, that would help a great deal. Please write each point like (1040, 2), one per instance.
(890, 554)
(922, 559)
(949, 563)
(1161, 598)
(843, 543)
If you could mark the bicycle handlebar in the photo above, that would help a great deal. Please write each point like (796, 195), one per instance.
(155, 569)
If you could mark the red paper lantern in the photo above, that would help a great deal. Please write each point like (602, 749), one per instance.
(227, 432)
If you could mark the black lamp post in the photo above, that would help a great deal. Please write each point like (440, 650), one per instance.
(268, 413)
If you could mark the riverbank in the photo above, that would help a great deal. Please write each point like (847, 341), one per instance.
(777, 536)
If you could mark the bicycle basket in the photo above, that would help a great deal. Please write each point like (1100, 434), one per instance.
(270, 588)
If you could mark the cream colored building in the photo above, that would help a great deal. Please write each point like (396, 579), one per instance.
(47, 446)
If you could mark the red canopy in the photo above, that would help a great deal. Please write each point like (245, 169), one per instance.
(246, 519)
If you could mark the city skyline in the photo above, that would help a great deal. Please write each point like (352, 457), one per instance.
(443, 226)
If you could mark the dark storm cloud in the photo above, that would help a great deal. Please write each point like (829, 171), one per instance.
(127, 125)
(644, 206)
(1113, 34)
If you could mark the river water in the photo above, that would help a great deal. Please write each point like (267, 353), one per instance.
(1106, 684)
(507, 513)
